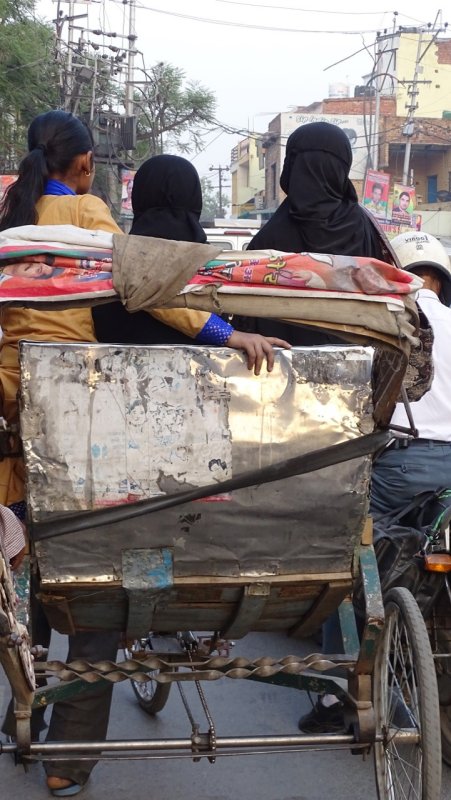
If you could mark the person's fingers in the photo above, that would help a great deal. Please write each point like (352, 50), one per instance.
(260, 355)
(278, 342)
(249, 350)
(270, 355)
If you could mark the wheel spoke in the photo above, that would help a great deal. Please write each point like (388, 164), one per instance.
(403, 689)
(404, 774)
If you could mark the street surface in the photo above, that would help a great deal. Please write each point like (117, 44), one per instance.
(238, 707)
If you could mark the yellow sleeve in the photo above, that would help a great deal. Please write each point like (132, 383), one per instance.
(95, 215)
(185, 320)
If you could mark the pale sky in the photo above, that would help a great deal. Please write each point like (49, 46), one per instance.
(255, 72)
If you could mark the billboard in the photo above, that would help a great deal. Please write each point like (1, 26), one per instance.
(404, 205)
(376, 192)
(127, 178)
(352, 124)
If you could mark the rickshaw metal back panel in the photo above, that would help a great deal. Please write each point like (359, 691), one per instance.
(105, 425)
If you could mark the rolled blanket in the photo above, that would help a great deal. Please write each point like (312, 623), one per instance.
(149, 272)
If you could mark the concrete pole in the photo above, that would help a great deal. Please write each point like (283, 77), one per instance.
(409, 127)
(69, 73)
(129, 100)
(220, 170)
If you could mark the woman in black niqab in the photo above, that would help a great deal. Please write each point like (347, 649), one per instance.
(321, 213)
(167, 204)
(167, 200)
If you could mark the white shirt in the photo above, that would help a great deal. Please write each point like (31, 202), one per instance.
(432, 414)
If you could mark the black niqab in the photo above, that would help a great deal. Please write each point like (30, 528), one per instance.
(321, 213)
(167, 200)
(167, 203)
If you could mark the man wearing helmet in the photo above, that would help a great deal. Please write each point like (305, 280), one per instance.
(409, 466)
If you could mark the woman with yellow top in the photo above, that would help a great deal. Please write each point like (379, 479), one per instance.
(52, 189)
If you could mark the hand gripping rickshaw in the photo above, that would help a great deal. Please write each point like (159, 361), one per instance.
(170, 491)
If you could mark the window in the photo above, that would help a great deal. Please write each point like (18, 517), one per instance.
(223, 244)
(432, 188)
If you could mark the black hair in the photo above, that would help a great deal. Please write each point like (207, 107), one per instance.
(405, 194)
(376, 186)
(54, 140)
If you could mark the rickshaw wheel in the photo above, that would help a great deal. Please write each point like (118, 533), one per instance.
(443, 667)
(405, 697)
(151, 695)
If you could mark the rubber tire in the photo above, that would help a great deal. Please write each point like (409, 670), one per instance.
(444, 646)
(400, 603)
(154, 702)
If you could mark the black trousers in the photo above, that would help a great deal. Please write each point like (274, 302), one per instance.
(84, 718)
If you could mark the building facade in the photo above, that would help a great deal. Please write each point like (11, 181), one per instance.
(410, 106)
(248, 176)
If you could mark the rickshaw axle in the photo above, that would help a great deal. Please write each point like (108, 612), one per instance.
(50, 750)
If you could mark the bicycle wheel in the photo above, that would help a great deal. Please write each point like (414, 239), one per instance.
(443, 667)
(405, 700)
(151, 695)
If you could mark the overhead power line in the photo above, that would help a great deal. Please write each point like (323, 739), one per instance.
(307, 10)
(251, 26)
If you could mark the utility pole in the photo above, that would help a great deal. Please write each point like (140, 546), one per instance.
(408, 129)
(69, 67)
(413, 91)
(129, 104)
(384, 57)
(219, 169)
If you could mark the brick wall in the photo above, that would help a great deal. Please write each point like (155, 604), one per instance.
(358, 105)
(443, 51)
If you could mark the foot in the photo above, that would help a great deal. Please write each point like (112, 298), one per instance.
(62, 787)
(323, 719)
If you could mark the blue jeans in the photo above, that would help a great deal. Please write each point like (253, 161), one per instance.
(402, 472)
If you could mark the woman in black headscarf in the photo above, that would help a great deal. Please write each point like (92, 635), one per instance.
(321, 213)
(167, 200)
(167, 204)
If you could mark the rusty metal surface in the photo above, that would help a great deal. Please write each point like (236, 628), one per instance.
(112, 424)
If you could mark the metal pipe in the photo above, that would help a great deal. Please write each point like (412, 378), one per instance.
(182, 744)
(121, 750)
(229, 742)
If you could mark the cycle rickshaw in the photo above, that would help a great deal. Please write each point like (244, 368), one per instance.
(170, 491)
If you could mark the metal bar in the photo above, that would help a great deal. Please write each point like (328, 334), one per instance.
(374, 610)
(182, 744)
(65, 690)
(85, 750)
(311, 683)
(348, 625)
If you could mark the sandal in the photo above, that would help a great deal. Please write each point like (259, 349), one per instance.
(63, 787)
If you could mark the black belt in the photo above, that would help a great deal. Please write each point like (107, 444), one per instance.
(401, 443)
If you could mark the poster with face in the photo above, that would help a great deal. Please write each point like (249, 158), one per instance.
(404, 204)
(375, 195)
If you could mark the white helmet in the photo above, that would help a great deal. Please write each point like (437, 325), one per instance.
(416, 249)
